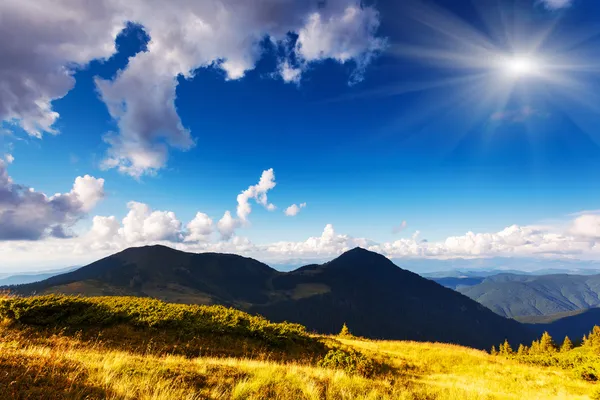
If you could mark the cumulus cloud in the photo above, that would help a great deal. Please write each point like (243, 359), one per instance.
(294, 209)
(9, 158)
(257, 192)
(586, 225)
(200, 228)
(512, 241)
(329, 243)
(144, 225)
(29, 215)
(227, 226)
(343, 36)
(40, 56)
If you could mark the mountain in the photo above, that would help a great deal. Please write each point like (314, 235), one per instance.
(484, 267)
(573, 324)
(361, 288)
(459, 282)
(20, 279)
(167, 274)
(513, 295)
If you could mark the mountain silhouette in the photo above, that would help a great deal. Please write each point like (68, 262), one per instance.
(363, 289)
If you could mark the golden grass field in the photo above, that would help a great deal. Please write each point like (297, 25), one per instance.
(36, 365)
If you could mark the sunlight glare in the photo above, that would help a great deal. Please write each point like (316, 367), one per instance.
(521, 66)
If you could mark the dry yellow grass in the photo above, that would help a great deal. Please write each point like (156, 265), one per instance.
(63, 367)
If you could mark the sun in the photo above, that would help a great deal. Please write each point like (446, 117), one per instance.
(522, 66)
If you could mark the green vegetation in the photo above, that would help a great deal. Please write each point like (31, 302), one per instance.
(203, 330)
(583, 360)
(351, 361)
(59, 347)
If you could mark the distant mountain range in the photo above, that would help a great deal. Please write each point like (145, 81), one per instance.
(513, 295)
(367, 291)
(29, 277)
(482, 267)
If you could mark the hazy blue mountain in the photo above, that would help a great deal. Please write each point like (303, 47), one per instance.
(458, 283)
(514, 295)
(483, 267)
(30, 277)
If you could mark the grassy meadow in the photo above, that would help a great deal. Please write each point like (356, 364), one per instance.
(59, 347)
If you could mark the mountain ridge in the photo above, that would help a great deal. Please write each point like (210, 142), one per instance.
(364, 289)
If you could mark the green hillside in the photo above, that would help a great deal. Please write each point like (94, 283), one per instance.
(57, 347)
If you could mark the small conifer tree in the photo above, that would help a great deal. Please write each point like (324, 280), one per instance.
(493, 351)
(547, 344)
(522, 350)
(567, 345)
(535, 347)
(505, 349)
(593, 339)
(345, 331)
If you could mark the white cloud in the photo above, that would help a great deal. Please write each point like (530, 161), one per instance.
(328, 244)
(29, 215)
(200, 228)
(346, 35)
(227, 226)
(294, 209)
(288, 73)
(89, 191)
(144, 225)
(587, 225)
(40, 55)
(556, 4)
(257, 192)
(9, 158)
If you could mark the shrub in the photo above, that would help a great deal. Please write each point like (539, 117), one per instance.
(567, 345)
(351, 361)
(586, 372)
(144, 313)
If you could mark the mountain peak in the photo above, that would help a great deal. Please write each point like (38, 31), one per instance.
(363, 254)
(360, 258)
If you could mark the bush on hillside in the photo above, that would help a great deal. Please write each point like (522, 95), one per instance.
(583, 361)
(144, 313)
(351, 361)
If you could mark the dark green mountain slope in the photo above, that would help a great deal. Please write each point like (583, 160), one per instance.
(361, 288)
(379, 300)
(573, 324)
(520, 295)
(166, 274)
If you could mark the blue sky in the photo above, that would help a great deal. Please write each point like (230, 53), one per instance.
(419, 116)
